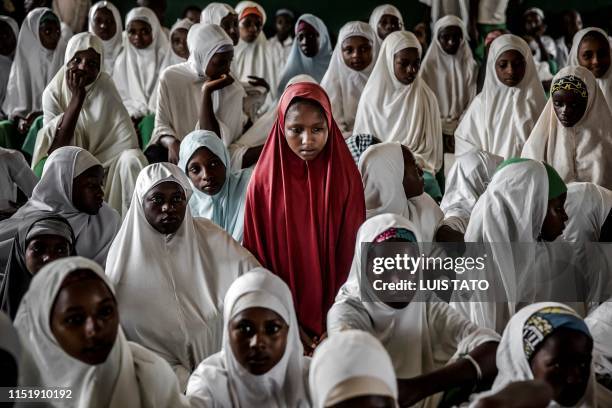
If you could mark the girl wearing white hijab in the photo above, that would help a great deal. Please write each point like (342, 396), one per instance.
(136, 71)
(180, 99)
(437, 335)
(102, 126)
(7, 60)
(129, 375)
(33, 66)
(501, 117)
(412, 105)
(178, 313)
(344, 84)
(588, 207)
(113, 45)
(390, 187)
(54, 194)
(377, 15)
(524, 347)
(604, 79)
(222, 381)
(183, 25)
(579, 146)
(349, 365)
(452, 78)
(214, 13)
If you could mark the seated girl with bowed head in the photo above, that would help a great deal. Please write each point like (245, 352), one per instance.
(69, 320)
(219, 192)
(352, 369)
(262, 362)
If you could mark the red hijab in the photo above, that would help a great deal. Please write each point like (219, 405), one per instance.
(301, 218)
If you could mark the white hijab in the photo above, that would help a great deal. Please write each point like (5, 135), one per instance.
(6, 61)
(349, 356)
(130, 376)
(414, 108)
(587, 207)
(500, 118)
(451, 77)
(253, 58)
(382, 171)
(221, 381)
(582, 152)
(215, 12)
(136, 70)
(178, 312)
(342, 83)
(380, 11)
(467, 180)
(112, 47)
(53, 193)
(33, 67)
(184, 24)
(600, 326)
(605, 82)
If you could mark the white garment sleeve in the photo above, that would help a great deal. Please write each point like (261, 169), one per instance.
(163, 116)
(346, 315)
(20, 173)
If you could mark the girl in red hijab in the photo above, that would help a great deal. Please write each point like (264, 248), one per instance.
(305, 204)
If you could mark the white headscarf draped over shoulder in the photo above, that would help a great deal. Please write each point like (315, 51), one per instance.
(170, 288)
(221, 381)
(380, 11)
(605, 82)
(33, 67)
(136, 71)
(6, 61)
(131, 375)
(587, 207)
(112, 47)
(215, 12)
(500, 118)
(350, 364)
(382, 171)
(342, 83)
(580, 152)
(413, 108)
(451, 77)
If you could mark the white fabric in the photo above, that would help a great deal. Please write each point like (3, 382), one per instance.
(345, 355)
(112, 47)
(136, 71)
(382, 171)
(380, 11)
(6, 61)
(184, 24)
(605, 82)
(220, 380)
(131, 376)
(600, 326)
(442, 8)
(587, 207)
(500, 118)
(467, 180)
(492, 11)
(562, 52)
(14, 173)
(281, 50)
(434, 331)
(254, 58)
(33, 67)
(104, 127)
(414, 108)
(582, 152)
(452, 78)
(170, 288)
(215, 12)
(53, 193)
(342, 83)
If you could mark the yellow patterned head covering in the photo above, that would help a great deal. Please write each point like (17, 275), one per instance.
(570, 83)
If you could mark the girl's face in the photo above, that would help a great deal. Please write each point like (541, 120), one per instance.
(357, 52)
(49, 33)
(594, 54)
(140, 34)
(164, 207)
(309, 43)
(104, 25)
(87, 64)
(556, 217)
(258, 337)
(284, 25)
(43, 249)
(413, 175)
(569, 106)
(229, 24)
(179, 43)
(533, 23)
(250, 27)
(87, 190)
(306, 130)
(84, 318)
(450, 38)
(219, 64)
(367, 401)
(510, 68)
(406, 65)
(564, 362)
(206, 171)
(387, 24)
(8, 42)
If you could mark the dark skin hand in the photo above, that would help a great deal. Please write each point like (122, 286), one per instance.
(447, 234)
(208, 121)
(461, 373)
(24, 123)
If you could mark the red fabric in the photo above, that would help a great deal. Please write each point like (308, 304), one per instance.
(250, 10)
(301, 218)
(304, 26)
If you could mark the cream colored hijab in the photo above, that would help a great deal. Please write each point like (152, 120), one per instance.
(112, 47)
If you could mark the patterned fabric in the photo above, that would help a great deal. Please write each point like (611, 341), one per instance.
(358, 144)
(401, 233)
(570, 83)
